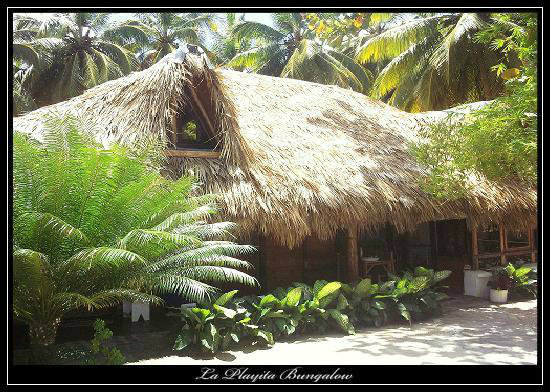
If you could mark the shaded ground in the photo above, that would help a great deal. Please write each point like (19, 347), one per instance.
(471, 331)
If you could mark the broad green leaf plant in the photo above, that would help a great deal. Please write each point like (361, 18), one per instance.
(96, 226)
(309, 309)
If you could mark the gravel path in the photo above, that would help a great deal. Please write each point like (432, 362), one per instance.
(471, 331)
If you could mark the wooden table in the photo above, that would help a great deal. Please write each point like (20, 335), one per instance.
(388, 265)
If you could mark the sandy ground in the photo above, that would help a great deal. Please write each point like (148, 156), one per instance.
(471, 331)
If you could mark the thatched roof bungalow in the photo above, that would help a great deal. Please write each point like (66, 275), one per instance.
(291, 159)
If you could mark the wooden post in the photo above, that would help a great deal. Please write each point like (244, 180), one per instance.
(531, 244)
(353, 259)
(503, 245)
(475, 251)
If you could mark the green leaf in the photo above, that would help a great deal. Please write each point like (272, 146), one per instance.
(329, 288)
(522, 271)
(342, 303)
(363, 287)
(184, 339)
(404, 312)
(318, 285)
(293, 296)
(342, 320)
(203, 314)
(224, 298)
(268, 299)
(229, 313)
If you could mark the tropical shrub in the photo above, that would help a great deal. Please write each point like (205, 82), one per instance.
(217, 326)
(363, 306)
(318, 308)
(95, 226)
(109, 355)
(416, 294)
(523, 279)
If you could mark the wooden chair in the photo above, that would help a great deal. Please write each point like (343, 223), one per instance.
(387, 264)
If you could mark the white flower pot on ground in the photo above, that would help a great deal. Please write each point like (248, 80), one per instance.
(499, 296)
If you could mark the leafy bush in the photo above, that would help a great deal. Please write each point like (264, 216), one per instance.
(318, 308)
(414, 295)
(523, 279)
(93, 227)
(217, 326)
(109, 355)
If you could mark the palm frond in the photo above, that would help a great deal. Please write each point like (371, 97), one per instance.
(188, 217)
(397, 69)
(141, 238)
(248, 30)
(126, 60)
(208, 231)
(396, 40)
(188, 288)
(130, 31)
(211, 273)
(43, 223)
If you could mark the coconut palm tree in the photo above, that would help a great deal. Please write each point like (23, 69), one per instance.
(435, 62)
(66, 54)
(225, 46)
(290, 49)
(94, 227)
(154, 35)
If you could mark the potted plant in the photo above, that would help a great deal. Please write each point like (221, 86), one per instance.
(499, 285)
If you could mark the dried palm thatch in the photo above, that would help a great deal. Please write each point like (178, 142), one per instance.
(298, 158)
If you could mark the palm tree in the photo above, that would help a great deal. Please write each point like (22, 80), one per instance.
(154, 35)
(93, 227)
(225, 46)
(289, 49)
(435, 62)
(22, 99)
(66, 54)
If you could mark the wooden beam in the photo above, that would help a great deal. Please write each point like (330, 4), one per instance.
(353, 257)
(192, 153)
(475, 250)
(198, 104)
(503, 246)
(173, 137)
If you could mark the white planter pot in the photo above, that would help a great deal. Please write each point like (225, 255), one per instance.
(499, 296)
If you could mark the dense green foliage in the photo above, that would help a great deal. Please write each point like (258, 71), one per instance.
(302, 308)
(289, 49)
(95, 226)
(524, 279)
(415, 61)
(499, 140)
(64, 54)
(436, 62)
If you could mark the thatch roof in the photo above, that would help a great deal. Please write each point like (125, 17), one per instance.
(298, 158)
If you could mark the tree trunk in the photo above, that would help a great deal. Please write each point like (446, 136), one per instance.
(42, 333)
